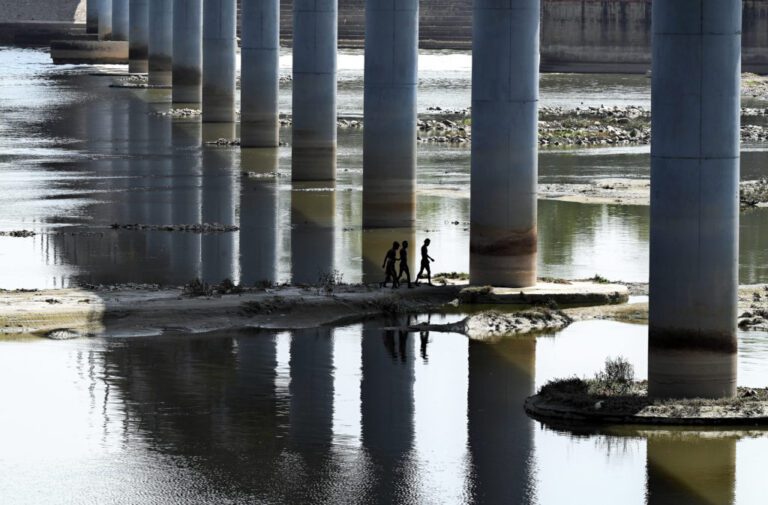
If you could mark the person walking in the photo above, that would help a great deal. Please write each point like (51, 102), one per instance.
(425, 259)
(389, 267)
(404, 264)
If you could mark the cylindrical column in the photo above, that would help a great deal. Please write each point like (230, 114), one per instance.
(187, 51)
(315, 25)
(160, 42)
(694, 198)
(138, 41)
(219, 59)
(92, 16)
(505, 95)
(259, 73)
(105, 19)
(120, 19)
(389, 136)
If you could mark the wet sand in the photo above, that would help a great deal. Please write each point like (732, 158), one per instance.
(150, 310)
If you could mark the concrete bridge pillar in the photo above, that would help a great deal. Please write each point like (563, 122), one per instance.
(187, 51)
(119, 19)
(315, 26)
(160, 42)
(219, 59)
(92, 16)
(505, 97)
(259, 71)
(105, 19)
(389, 136)
(138, 40)
(694, 198)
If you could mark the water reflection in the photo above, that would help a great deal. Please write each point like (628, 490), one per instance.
(352, 414)
(501, 376)
(221, 190)
(258, 216)
(107, 158)
(186, 196)
(692, 468)
(387, 409)
(313, 230)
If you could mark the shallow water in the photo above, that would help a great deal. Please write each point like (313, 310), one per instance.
(77, 156)
(358, 414)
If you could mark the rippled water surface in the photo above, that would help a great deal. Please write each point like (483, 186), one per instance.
(359, 414)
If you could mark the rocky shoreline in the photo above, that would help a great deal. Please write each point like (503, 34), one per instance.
(574, 401)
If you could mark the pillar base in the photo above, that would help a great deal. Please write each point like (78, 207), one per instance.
(687, 373)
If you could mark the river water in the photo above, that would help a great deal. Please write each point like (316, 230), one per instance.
(358, 414)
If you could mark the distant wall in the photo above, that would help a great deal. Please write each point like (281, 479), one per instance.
(42, 10)
(576, 35)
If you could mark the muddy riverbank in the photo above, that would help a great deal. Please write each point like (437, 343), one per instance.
(149, 309)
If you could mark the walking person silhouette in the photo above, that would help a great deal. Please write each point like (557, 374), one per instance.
(389, 267)
(404, 264)
(425, 259)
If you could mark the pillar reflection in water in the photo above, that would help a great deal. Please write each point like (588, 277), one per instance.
(376, 243)
(220, 189)
(186, 200)
(313, 232)
(311, 391)
(156, 186)
(387, 410)
(691, 468)
(258, 216)
(230, 422)
(501, 376)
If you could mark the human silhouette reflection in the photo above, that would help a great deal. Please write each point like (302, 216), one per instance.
(387, 411)
(501, 376)
(688, 467)
(424, 341)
